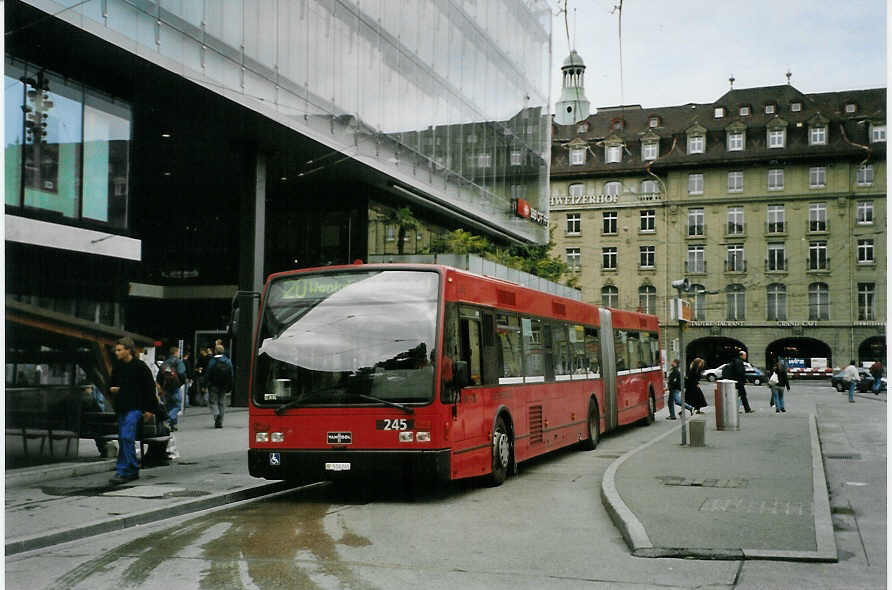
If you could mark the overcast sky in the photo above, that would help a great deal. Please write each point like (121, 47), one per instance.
(680, 51)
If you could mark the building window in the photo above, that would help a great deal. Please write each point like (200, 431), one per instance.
(648, 220)
(817, 135)
(613, 154)
(735, 221)
(776, 138)
(776, 179)
(653, 122)
(795, 106)
(818, 301)
(577, 189)
(776, 223)
(736, 302)
(696, 144)
(389, 233)
(769, 109)
(744, 111)
(817, 177)
(609, 296)
(864, 213)
(695, 184)
(582, 128)
(776, 258)
(718, 112)
(865, 252)
(574, 259)
(577, 157)
(817, 256)
(877, 133)
(648, 256)
(609, 219)
(698, 302)
(608, 258)
(695, 222)
(696, 261)
(472, 139)
(647, 299)
(817, 217)
(613, 188)
(851, 107)
(574, 224)
(735, 261)
(735, 141)
(776, 302)
(484, 159)
(866, 307)
(516, 157)
(735, 181)
(650, 187)
(650, 150)
(865, 175)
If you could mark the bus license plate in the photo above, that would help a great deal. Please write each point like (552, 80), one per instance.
(337, 467)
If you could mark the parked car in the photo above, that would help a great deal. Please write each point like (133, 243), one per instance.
(753, 375)
(865, 383)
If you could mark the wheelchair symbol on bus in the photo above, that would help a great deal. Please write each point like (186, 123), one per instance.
(275, 459)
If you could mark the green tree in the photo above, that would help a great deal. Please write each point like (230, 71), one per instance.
(404, 220)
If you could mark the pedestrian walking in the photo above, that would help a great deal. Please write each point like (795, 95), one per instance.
(675, 390)
(219, 384)
(738, 373)
(188, 389)
(171, 380)
(133, 389)
(201, 367)
(851, 376)
(778, 381)
(692, 392)
(876, 371)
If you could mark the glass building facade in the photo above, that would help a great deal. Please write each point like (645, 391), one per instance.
(449, 98)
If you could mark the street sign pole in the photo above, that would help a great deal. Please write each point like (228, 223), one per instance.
(681, 286)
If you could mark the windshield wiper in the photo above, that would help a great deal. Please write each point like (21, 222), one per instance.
(305, 397)
(372, 398)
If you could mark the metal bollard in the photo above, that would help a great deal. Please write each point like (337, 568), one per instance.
(698, 432)
(726, 417)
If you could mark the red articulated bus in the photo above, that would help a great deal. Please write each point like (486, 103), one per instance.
(433, 370)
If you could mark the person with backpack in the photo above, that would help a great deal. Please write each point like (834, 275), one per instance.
(171, 380)
(778, 381)
(219, 377)
(738, 373)
(876, 371)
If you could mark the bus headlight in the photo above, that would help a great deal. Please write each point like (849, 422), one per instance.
(261, 437)
(422, 436)
(277, 437)
(406, 437)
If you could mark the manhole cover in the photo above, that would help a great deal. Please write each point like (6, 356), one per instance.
(149, 491)
(674, 480)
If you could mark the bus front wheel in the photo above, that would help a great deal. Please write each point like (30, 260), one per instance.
(501, 452)
(594, 427)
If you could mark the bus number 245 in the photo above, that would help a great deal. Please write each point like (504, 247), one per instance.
(394, 424)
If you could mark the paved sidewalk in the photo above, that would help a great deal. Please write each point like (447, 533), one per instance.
(756, 493)
(54, 504)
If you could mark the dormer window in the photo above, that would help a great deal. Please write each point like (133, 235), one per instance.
(817, 135)
(877, 134)
(777, 138)
(770, 109)
(696, 144)
(744, 111)
(735, 141)
(582, 128)
(616, 124)
(650, 150)
(795, 106)
(577, 156)
(851, 107)
(718, 112)
(613, 154)
(653, 122)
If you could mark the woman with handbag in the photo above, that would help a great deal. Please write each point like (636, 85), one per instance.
(692, 393)
(778, 382)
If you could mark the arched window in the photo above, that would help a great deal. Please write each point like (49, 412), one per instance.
(698, 300)
(613, 188)
(609, 296)
(647, 298)
(736, 302)
(776, 301)
(818, 301)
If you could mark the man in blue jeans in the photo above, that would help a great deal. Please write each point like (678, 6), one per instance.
(675, 390)
(851, 377)
(133, 389)
(174, 369)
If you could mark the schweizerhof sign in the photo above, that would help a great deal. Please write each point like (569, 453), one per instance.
(581, 200)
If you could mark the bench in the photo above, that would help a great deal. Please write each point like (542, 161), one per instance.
(35, 425)
(104, 426)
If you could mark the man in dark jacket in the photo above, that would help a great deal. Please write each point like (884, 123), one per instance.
(133, 389)
(675, 390)
(738, 372)
(219, 377)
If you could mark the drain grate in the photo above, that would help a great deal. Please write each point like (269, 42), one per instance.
(843, 456)
(695, 482)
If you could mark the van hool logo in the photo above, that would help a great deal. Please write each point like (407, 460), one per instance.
(340, 438)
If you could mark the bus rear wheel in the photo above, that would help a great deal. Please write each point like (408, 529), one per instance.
(594, 427)
(501, 452)
(651, 409)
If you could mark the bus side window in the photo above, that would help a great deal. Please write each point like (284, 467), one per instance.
(549, 351)
(634, 350)
(470, 349)
(647, 353)
(577, 343)
(510, 351)
(619, 347)
(562, 363)
(593, 350)
(451, 352)
(533, 348)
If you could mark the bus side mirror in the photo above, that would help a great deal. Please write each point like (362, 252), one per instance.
(461, 376)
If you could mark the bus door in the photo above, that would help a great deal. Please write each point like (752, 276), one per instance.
(468, 411)
(608, 369)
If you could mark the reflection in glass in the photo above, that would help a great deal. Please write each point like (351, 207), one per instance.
(13, 91)
(106, 161)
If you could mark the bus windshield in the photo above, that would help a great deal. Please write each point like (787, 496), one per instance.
(347, 338)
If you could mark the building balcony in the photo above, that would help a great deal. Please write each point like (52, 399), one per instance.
(776, 228)
(695, 267)
(696, 231)
(820, 266)
(735, 230)
(735, 266)
(817, 227)
(777, 265)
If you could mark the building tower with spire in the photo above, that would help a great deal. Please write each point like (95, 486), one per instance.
(573, 105)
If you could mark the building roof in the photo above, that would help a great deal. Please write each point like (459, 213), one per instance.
(574, 59)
